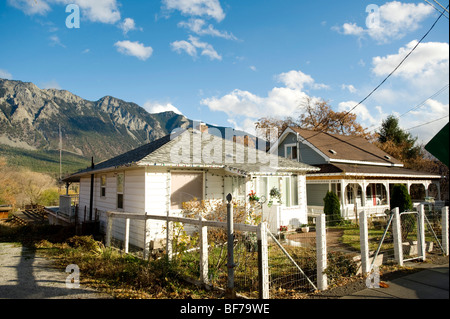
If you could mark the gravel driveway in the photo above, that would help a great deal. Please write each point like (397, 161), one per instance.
(23, 275)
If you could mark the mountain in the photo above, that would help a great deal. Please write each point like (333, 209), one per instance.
(30, 118)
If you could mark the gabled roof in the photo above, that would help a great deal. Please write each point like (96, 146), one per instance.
(345, 149)
(192, 149)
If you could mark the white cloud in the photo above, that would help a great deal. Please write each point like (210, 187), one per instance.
(244, 108)
(128, 25)
(427, 57)
(5, 74)
(198, 26)
(104, 11)
(192, 46)
(297, 80)
(54, 40)
(363, 115)
(396, 19)
(136, 49)
(348, 87)
(155, 107)
(30, 7)
(209, 8)
(253, 68)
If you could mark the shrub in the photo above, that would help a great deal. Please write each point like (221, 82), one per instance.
(332, 209)
(401, 199)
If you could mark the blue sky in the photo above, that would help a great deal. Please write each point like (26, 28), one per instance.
(230, 62)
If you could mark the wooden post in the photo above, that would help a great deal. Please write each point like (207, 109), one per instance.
(108, 230)
(146, 251)
(421, 245)
(263, 261)
(364, 242)
(321, 250)
(230, 292)
(169, 235)
(203, 253)
(127, 235)
(444, 222)
(397, 234)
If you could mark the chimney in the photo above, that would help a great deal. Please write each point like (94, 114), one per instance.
(202, 127)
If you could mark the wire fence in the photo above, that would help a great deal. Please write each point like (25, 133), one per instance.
(292, 256)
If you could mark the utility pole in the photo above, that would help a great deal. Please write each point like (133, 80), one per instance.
(60, 153)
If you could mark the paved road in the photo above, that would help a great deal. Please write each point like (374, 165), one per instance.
(23, 275)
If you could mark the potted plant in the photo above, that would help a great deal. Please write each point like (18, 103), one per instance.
(274, 193)
(281, 235)
(304, 228)
(252, 197)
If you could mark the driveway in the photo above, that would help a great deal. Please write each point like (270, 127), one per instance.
(23, 275)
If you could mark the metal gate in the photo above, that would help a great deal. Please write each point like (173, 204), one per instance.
(411, 236)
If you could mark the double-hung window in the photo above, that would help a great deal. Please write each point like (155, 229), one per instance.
(120, 190)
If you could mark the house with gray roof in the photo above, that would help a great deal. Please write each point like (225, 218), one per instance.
(191, 164)
(361, 174)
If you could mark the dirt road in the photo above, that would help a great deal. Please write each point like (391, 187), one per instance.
(24, 275)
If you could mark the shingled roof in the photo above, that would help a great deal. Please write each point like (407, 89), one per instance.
(346, 148)
(192, 149)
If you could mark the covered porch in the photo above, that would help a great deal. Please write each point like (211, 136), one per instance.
(368, 194)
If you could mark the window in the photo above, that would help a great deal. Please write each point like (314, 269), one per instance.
(120, 188)
(351, 190)
(103, 185)
(291, 151)
(185, 187)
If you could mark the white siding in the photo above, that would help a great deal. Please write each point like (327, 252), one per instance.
(214, 186)
(156, 198)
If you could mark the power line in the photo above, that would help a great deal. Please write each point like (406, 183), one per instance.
(411, 128)
(421, 104)
(387, 77)
(435, 8)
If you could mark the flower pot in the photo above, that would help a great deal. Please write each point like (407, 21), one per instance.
(305, 229)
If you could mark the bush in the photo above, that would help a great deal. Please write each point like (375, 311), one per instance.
(400, 198)
(332, 209)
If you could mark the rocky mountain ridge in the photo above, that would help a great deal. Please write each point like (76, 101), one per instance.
(30, 119)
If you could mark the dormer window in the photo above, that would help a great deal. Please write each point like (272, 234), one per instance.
(291, 151)
(332, 152)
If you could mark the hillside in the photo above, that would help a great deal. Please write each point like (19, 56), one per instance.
(30, 119)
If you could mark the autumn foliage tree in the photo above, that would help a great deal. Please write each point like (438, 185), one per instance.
(317, 115)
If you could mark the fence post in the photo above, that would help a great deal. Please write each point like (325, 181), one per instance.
(421, 245)
(321, 250)
(397, 234)
(127, 235)
(263, 261)
(146, 250)
(203, 252)
(444, 222)
(230, 292)
(364, 242)
(108, 229)
(169, 235)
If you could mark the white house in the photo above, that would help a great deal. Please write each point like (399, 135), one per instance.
(360, 174)
(158, 177)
